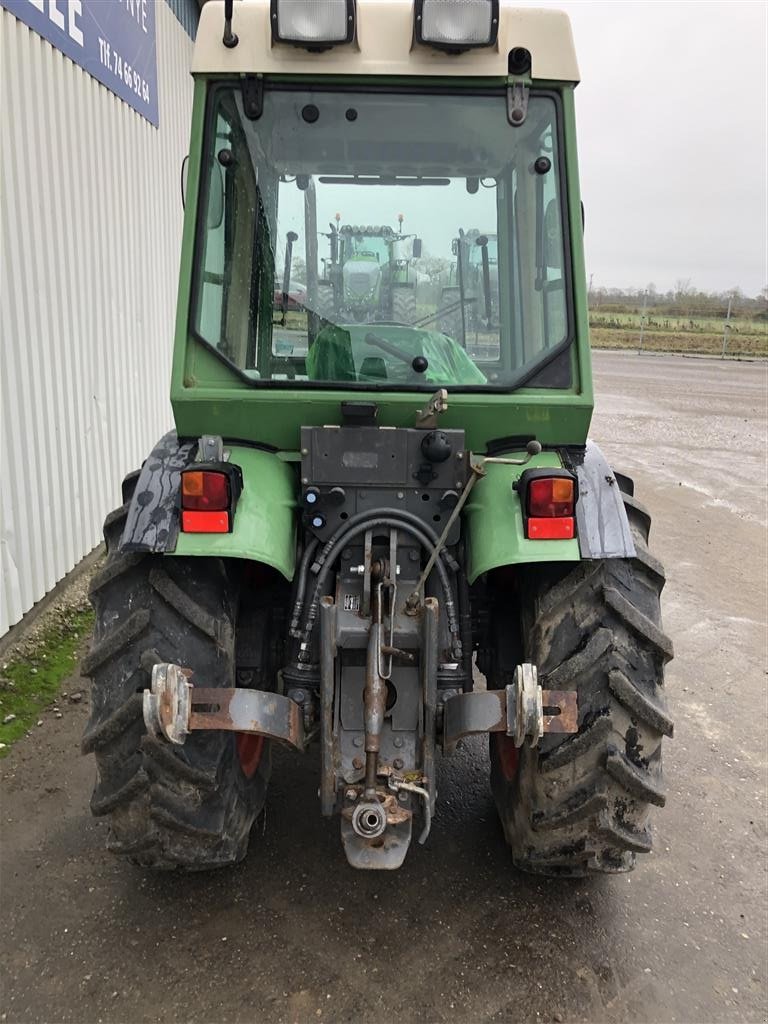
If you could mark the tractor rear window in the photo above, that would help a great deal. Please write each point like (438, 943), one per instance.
(382, 240)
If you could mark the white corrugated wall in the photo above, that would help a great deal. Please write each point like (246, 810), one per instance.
(90, 222)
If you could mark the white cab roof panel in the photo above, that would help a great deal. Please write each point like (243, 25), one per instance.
(384, 46)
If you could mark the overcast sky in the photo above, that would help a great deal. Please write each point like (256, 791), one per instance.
(672, 140)
(673, 131)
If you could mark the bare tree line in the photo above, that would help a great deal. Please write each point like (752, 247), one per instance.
(683, 300)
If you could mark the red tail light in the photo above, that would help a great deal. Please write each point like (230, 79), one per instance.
(208, 497)
(549, 501)
(204, 491)
(550, 496)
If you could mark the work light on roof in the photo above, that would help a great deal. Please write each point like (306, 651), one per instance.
(457, 25)
(314, 24)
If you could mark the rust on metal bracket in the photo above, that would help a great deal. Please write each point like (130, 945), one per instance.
(252, 711)
(173, 708)
(467, 714)
(565, 705)
(395, 812)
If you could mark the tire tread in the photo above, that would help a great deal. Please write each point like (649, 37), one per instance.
(168, 806)
(581, 803)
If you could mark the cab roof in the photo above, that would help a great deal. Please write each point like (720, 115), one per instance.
(384, 45)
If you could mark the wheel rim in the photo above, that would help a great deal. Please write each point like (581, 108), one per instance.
(249, 751)
(506, 755)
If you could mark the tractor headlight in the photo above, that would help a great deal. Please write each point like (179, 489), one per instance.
(457, 24)
(315, 24)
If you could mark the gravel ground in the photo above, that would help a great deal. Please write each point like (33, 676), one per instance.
(457, 935)
(73, 598)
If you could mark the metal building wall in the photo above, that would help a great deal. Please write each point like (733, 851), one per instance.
(90, 227)
(188, 13)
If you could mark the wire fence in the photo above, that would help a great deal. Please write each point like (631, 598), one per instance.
(727, 331)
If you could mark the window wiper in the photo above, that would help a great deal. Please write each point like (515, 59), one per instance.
(541, 262)
(482, 241)
(290, 238)
(450, 308)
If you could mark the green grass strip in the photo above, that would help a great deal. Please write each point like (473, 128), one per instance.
(29, 684)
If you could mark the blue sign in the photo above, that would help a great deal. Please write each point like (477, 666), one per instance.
(115, 41)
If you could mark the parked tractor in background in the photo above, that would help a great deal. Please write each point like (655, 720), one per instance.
(470, 297)
(363, 540)
(370, 274)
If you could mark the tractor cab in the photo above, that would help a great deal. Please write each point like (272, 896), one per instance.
(472, 141)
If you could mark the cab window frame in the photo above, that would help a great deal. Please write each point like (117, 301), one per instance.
(528, 371)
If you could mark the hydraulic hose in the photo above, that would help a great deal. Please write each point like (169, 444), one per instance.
(393, 513)
(465, 627)
(344, 539)
(301, 585)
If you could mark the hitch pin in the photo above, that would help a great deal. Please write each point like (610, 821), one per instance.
(397, 653)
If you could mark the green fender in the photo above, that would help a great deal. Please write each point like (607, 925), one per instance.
(494, 522)
(264, 527)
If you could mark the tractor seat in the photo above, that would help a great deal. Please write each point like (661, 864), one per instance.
(330, 358)
(373, 368)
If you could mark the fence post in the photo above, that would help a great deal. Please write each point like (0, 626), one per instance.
(642, 321)
(726, 328)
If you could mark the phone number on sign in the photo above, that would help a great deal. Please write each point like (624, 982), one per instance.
(111, 59)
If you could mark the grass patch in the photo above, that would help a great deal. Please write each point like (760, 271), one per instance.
(753, 345)
(28, 684)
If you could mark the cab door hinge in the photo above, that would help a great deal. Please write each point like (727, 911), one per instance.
(517, 103)
(253, 96)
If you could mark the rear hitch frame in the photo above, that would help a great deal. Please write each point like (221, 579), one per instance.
(522, 710)
(173, 708)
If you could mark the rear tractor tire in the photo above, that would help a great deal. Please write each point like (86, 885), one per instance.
(189, 806)
(403, 305)
(581, 803)
(325, 306)
(450, 322)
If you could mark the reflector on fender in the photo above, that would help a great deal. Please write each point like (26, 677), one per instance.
(551, 529)
(204, 522)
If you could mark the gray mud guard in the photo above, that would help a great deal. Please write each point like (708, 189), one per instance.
(153, 516)
(601, 519)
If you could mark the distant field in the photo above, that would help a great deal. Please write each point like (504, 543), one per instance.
(698, 335)
(694, 335)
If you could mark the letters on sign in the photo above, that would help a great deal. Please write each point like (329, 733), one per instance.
(113, 40)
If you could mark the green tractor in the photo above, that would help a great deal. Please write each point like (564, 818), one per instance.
(470, 297)
(360, 541)
(370, 274)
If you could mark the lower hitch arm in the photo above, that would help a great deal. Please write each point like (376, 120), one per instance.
(522, 710)
(173, 708)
